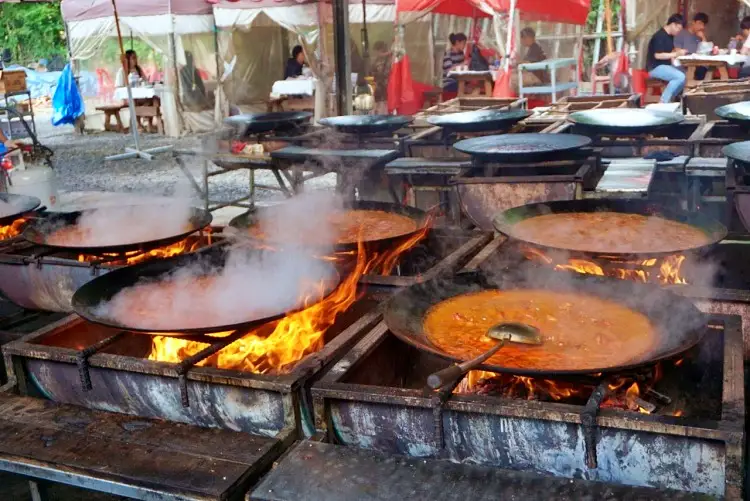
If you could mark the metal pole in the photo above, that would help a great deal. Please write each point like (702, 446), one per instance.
(342, 57)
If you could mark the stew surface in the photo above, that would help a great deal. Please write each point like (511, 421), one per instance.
(609, 232)
(354, 225)
(77, 236)
(579, 331)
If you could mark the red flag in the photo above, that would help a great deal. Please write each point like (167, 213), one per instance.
(401, 97)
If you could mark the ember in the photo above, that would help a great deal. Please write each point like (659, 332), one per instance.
(665, 271)
(275, 348)
(12, 230)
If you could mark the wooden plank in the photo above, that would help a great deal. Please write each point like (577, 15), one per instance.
(149, 454)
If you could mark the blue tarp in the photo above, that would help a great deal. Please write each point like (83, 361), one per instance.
(67, 103)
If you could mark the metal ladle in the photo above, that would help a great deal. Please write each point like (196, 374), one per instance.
(510, 332)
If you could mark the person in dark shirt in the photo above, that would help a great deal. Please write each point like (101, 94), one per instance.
(295, 63)
(534, 54)
(660, 56)
(455, 56)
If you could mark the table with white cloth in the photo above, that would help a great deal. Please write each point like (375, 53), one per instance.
(147, 102)
(298, 94)
(718, 62)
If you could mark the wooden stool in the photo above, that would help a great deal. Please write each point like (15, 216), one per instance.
(149, 114)
(653, 84)
(112, 110)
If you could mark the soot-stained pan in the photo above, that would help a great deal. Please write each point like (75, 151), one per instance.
(678, 324)
(40, 230)
(623, 121)
(479, 121)
(245, 221)
(522, 148)
(258, 123)
(89, 299)
(14, 206)
(367, 124)
(737, 113)
(714, 230)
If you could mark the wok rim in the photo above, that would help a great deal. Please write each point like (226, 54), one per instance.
(35, 233)
(445, 122)
(723, 111)
(694, 335)
(673, 119)
(83, 309)
(28, 202)
(738, 156)
(421, 217)
(577, 142)
(390, 122)
(502, 224)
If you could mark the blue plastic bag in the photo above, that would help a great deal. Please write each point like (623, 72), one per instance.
(67, 104)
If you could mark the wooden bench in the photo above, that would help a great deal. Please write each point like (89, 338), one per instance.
(147, 115)
(112, 110)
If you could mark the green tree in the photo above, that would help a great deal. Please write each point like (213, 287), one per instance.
(32, 30)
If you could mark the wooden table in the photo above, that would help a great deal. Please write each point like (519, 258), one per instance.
(462, 77)
(719, 62)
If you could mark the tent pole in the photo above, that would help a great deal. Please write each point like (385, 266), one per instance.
(342, 53)
(131, 152)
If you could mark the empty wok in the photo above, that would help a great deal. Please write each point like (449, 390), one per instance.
(367, 124)
(479, 121)
(522, 148)
(258, 123)
(737, 113)
(14, 206)
(623, 121)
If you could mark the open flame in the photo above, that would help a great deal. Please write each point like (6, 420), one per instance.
(665, 271)
(12, 230)
(190, 244)
(276, 347)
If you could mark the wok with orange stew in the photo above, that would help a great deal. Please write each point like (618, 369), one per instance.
(588, 324)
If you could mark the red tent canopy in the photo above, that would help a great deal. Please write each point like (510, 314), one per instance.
(560, 11)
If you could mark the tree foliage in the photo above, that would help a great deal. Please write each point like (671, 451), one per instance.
(32, 30)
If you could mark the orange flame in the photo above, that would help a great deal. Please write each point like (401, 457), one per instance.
(190, 244)
(12, 230)
(645, 271)
(276, 347)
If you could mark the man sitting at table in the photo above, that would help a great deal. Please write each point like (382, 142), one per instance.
(534, 54)
(454, 57)
(295, 63)
(661, 55)
(690, 38)
(745, 51)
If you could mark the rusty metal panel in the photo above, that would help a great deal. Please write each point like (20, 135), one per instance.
(624, 456)
(211, 405)
(480, 202)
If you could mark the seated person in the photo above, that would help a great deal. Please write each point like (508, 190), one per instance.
(690, 38)
(191, 84)
(534, 54)
(455, 56)
(295, 63)
(381, 69)
(131, 61)
(661, 55)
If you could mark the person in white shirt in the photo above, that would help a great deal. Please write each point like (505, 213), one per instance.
(133, 68)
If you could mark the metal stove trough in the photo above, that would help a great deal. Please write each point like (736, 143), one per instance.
(374, 398)
(75, 362)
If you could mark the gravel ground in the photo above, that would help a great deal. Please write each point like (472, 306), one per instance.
(80, 165)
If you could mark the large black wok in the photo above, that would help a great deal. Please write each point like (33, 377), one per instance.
(714, 230)
(39, 230)
(522, 148)
(622, 121)
(737, 113)
(14, 206)
(258, 123)
(678, 322)
(249, 219)
(479, 121)
(738, 151)
(88, 300)
(367, 124)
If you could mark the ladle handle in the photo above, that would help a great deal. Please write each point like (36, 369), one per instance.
(449, 374)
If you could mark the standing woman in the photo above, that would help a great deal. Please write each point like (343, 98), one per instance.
(455, 56)
(131, 59)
